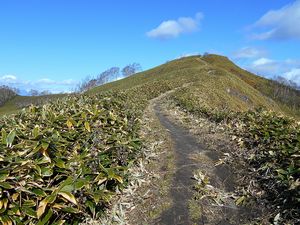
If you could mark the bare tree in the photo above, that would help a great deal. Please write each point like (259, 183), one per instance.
(34, 92)
(82, 86)
(287, 82)
(206, 54)
(108, 75)
(114, 73)
(45, 92)
(102, 78)
(131, 69)
(286, 91)
(92, 83)
(6, 93)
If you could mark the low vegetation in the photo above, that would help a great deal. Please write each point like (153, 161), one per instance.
(269, 151)
(17, 102)
(283, 92)
(272, 144)
(63, 161)
(69, 164)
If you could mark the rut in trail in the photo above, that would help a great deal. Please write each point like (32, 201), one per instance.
(181, 190)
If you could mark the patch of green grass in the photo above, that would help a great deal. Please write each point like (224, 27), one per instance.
(288, 99)
(215, 80)
(15, 104)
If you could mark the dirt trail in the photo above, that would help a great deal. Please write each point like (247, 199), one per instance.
(185, 146)
(181, 188)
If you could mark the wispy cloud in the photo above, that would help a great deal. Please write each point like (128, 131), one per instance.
(53, 86)
(259, 61)
(293, 75)
(265, 66)
(47, 81)
(263, 62)
(187, 55)
(173, 28)
(8, 79)
(270, 68)
(281, 24)
(249, 53)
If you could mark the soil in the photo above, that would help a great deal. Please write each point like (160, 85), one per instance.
(186, 146)
(191, 147)
(181, 189)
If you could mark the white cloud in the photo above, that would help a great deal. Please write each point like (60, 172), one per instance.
(8, 79)
(281, 24)
(262, 62)
(187, 55)
(41, 84)
(249, 52)
(68, 82)
(48, 81)
(174, 28)
(293, 75)
(264, 66)
(270, 68)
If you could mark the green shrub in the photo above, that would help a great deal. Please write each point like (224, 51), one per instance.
(271, 149)
(64, 160)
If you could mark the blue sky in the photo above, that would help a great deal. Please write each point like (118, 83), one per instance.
(53, 44)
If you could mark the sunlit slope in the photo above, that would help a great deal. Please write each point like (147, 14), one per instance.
(212, 80)
(181, 70)
(13, 105)
(288, 98)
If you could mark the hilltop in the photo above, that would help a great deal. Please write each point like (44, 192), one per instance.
(217, 81)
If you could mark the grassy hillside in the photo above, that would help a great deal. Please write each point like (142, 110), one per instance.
(18, 102)
(216, 82)
(287, 98)
(63, 161)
